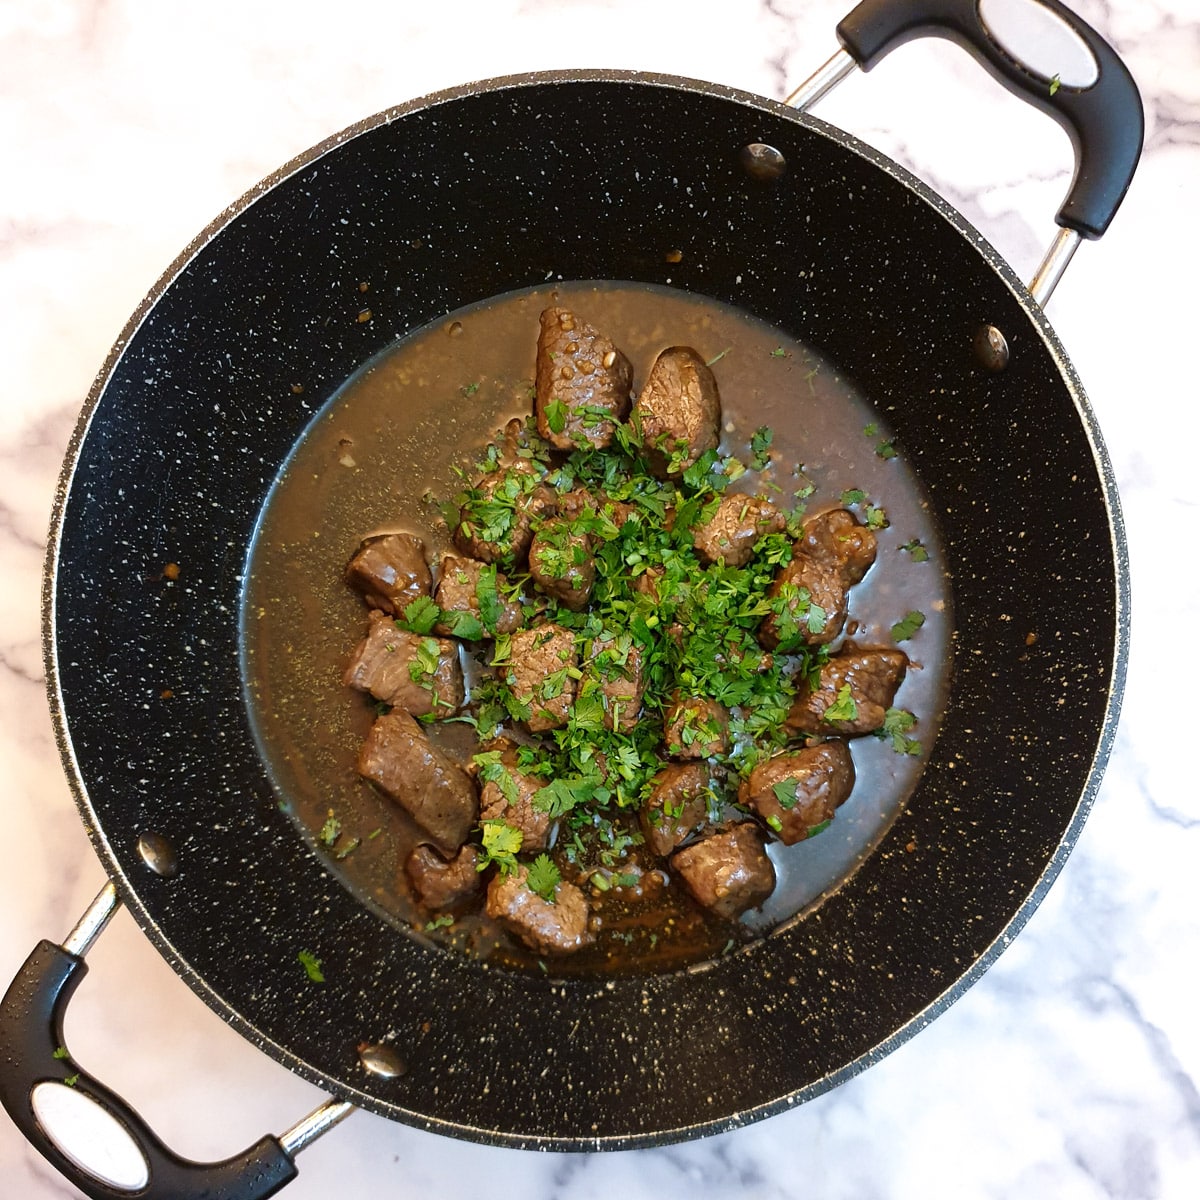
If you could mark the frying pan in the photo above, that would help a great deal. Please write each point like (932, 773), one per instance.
(445, 202)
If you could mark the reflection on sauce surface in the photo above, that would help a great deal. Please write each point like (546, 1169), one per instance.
(384, 450)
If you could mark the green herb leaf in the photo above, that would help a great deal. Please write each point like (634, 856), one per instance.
(420, 616)
(331, 830)
(311, 965)
(916, 550)
(904, 629)
(464, 624)
(60, 1052)
(896, 724)
(501, 844)
(779, 352)
(843, 708)
(760, 443)
(852, 496)
(556, 415)
(1055, 84)
(785, 793)
(442, 922)
(543, 877)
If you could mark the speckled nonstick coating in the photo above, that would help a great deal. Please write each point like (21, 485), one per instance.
(447, 201)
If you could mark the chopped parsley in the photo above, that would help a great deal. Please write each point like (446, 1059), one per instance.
(843, 708)
(420, 616)
(896, 724)
(311, 965)
(905, 628)
(785, 793)
(501, 845)
(543, 877)
(760, 443)
(442, 922)
(556, 415)
(916, 550)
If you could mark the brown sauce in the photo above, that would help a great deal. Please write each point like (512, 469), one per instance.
(383, 451)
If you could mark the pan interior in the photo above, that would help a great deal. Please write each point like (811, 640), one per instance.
(386, 449)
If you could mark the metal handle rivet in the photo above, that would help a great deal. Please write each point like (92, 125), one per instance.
(381, 1060)
(158, 854)
(991, 348)
(762, 162)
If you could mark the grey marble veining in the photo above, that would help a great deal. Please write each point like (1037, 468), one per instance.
(1070, 1069)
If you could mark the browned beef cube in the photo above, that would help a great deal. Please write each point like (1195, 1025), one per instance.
(582, 503)
(582, 384)
(438, 794)
(695, 727)
(511, 800)
(458, 591)
(539, 674)
(558, 927)
(800, 789)
(677, 806)
(562, 565)
(616, 665)
(495, 524)
(727, 872)
(732, 531)
(419, 674)
(439, 883)
(871, 678)
(808, 607)
(837, 540)
(390, 571)
(679, 410)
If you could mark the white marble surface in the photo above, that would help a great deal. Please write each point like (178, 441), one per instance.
(1071, 1070)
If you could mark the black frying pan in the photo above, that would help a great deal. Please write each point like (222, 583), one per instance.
(445, 202)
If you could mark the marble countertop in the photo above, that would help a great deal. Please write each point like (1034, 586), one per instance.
(1071, 1069)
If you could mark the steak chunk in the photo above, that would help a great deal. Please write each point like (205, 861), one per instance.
(680, 411)
(438, 794)
(677, 806)
(507, 795)
(727, 872)
(582, 386)
(562, 565)
(459, 590)
(860, 683)
(808, 607)
(695, 727)
(539, 674)
(390, 571)
(731, 532)
(798, 790)
(496, 515)
(419, 674)
(560, 927)
(836, 539)
(441, 884)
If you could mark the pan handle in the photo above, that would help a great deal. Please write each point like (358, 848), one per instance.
(37, 1067)
(1079, 81)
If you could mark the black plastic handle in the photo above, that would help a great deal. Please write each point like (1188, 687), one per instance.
(32, 1051)
(1104, 120)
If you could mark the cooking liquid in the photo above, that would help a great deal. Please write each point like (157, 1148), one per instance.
(380, 456)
